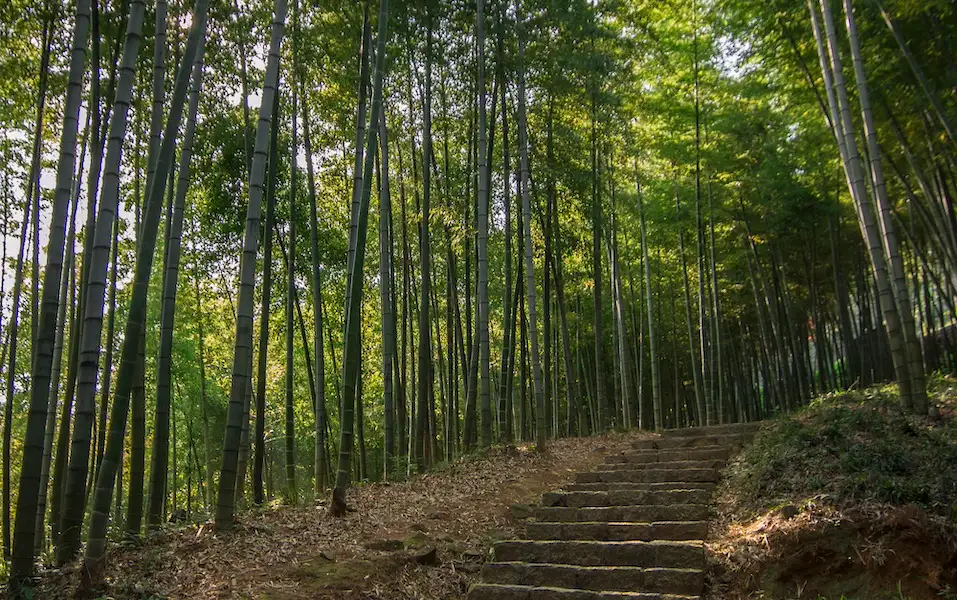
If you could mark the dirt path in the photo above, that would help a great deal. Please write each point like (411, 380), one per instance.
(382, 550)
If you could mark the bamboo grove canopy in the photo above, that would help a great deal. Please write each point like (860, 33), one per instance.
(266, 249)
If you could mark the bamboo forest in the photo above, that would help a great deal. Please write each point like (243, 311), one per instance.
(326, 298)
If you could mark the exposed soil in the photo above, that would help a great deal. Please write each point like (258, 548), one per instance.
(848, 499)
(819, 552)
(383, 549)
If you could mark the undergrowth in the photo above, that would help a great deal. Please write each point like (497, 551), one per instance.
(852, 447)
(846, 499)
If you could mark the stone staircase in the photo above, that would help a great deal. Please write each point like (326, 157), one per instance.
(633, 528)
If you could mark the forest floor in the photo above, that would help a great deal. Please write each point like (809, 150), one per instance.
(847, 499)
(424, 539)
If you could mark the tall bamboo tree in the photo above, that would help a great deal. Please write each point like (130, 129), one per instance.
(242, 347)
(31, 465)
(75, 494)
(160, 452)
(350, 373)
(94, 561)
(485, 400)
(290, 423)
(538, 384)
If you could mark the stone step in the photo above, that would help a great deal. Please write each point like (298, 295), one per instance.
(618, 532)
(625, 579)
(674, 464)
(729, 428)
(623, 514)
(605, 486)
(625, 498)
(649, 476)
(661, 456)
(491, 591)
(605, 554)
(693, 441)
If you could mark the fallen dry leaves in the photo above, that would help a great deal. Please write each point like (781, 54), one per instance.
(289, 553)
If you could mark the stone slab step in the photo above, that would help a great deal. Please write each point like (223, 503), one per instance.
(604, 486)
(592, 553)
(674, 464)
(623, 514)
(625, 579)
(693, 441)
(649, 476)
(659, 456)
(625, 498)
(491, 591)
(618, 532)
(729, 428)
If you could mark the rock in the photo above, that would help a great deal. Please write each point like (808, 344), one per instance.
(521, 511)
(553, 499)
(178, 516)
(385, 545)
(444, 537)
(427, 555)
(416, 539)
(786, 513)
(328, 555)
(418, 527)
(473, 554)
(470, 567)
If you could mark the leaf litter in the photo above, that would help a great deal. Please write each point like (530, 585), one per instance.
(421, 539)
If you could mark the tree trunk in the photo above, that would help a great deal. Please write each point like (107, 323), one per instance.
(423, 440)
(204, 400)
(482, 217)
(510, 308)
(707, 416)
(242, 354)
(74, 501)
(539, 385)
(695, 368)
(352, 337)
(290, 423)
(832, 68)
(596, 271)
(716, 354)
(99, 523)
(649, 297)
(134, 507)
(321, 458)
(45, 322)
(546, 286)
(385, 296)
(160, 454)
(14, 327)
(623, 349)
(259, 457)
(891, 245)
(66, 281)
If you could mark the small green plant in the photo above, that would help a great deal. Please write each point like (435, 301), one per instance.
(947, 593)
(850, 446)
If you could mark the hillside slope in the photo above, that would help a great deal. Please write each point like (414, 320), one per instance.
(846, 499)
